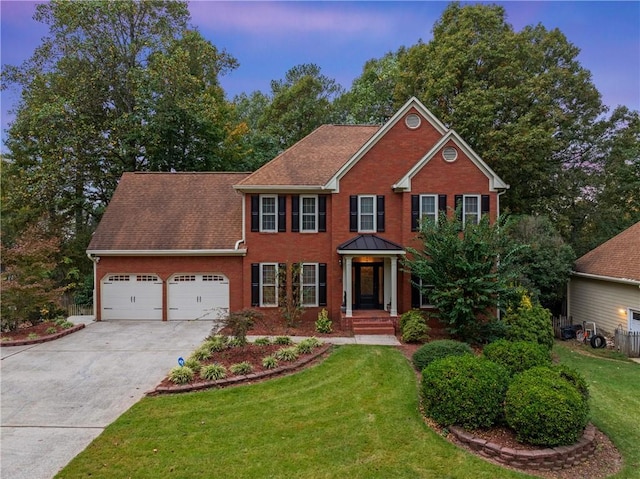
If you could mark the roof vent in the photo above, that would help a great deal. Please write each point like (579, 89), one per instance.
(450, 154)
(412, 121)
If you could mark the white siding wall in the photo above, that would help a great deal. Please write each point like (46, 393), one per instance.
(603, 302)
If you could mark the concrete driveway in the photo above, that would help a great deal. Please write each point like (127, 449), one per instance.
(56, 397)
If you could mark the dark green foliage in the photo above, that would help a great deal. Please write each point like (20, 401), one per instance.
(466, 390)
(575, 378)
(530, 322)
(545, 409)
(240, 322)
(439, 349)
(413, 327)
(517, 356)
(464, 271)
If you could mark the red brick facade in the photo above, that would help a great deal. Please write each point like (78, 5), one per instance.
(384, 167)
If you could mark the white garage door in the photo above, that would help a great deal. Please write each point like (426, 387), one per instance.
(198, 296)
(131, 296)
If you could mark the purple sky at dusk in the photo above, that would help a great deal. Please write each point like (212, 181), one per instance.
(268, 38)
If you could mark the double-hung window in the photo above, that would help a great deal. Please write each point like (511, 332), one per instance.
(309, 284)
(471, 209)
(268, 213)
(268, 284)
(367, 213)
(429, 207)
(309, 214)
(425, 295)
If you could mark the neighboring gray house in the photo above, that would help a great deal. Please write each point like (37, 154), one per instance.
(605, 284)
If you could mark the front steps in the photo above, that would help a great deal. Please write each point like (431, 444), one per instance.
(371, 323)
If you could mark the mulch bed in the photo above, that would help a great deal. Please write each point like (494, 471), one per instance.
(21, 337)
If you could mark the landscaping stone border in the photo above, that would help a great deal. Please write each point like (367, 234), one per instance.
(548, 459)
(234, 380)
(43, 339)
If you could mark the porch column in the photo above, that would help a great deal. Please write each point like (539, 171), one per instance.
(394, 286)
(347, 286)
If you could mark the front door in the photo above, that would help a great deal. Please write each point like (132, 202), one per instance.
(367, 285)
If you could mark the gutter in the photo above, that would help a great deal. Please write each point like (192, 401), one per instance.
(170, 252)
(633, 282)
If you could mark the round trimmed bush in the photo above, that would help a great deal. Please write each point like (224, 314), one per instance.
(575, 378)
(517, 356)
(466, 390)
(545, 409)
(439, 349)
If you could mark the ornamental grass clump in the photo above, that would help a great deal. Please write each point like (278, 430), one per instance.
(242, 368)
(282, 340)
(201, 353)
(269, 362)
(216, 343)
(181, 375)
(545, 409)
(287, 354)
(465, 391)
(213, 372)
(262, 341)
(438, 349)
(308, 345)
(517, 356)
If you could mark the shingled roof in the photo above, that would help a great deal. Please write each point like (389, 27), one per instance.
(314, 159)
(617, 258)
(171, 211)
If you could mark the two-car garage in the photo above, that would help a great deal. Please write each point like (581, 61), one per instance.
(140, 296)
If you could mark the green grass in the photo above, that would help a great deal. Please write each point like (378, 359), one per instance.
(615, 402)
(353, 416)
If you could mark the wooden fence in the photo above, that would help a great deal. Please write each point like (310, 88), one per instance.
(78, 310)
(627, 342)
(560, 322)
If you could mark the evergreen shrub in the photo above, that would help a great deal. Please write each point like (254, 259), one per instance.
(438, 349)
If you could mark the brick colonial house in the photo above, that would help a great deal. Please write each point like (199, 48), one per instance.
(341, 204)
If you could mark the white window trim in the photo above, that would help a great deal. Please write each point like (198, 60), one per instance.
(316, 284)
(422, 303)
(374, 213)
(631, 323)
(435, 204)
(275, 214)
(262, 303)
(302, 214)
(464, 208)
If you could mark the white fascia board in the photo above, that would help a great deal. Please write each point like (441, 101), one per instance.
(278, 188)
(610, 279)
(364, 252)
(168, 252)
(495, 182)
(413, 102)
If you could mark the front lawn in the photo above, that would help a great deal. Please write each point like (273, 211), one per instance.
(355, 415)
(615, 402)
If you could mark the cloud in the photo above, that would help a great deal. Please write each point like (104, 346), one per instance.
(286, 18)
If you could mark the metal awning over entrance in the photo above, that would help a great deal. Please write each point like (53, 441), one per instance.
(370, 273)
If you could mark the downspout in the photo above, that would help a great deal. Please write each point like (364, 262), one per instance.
(95, 260)
(244, 222)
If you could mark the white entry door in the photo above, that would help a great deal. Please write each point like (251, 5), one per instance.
(131, 296)
(198, 296)
(634, 320)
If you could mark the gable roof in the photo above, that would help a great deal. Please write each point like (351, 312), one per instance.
(151, 212)
(617, 258)
(495, 182)
(312, 160)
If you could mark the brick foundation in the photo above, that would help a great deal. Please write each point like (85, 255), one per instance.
(549, 459)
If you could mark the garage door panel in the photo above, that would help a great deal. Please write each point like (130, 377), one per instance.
(132, 296)
(198, 296)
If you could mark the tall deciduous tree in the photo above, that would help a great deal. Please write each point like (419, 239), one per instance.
(116, 86)
(519, 99)
(300, 103)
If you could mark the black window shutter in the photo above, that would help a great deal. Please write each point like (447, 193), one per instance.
(442, 204)
(322, 213)
(322, 284)
(380, 213)
(415, 212)
(353, 213)
(282, 213)
(458, 199)
(485, 204)
(415, 292)
(255, 284)
(255, 213)
(295, 213)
